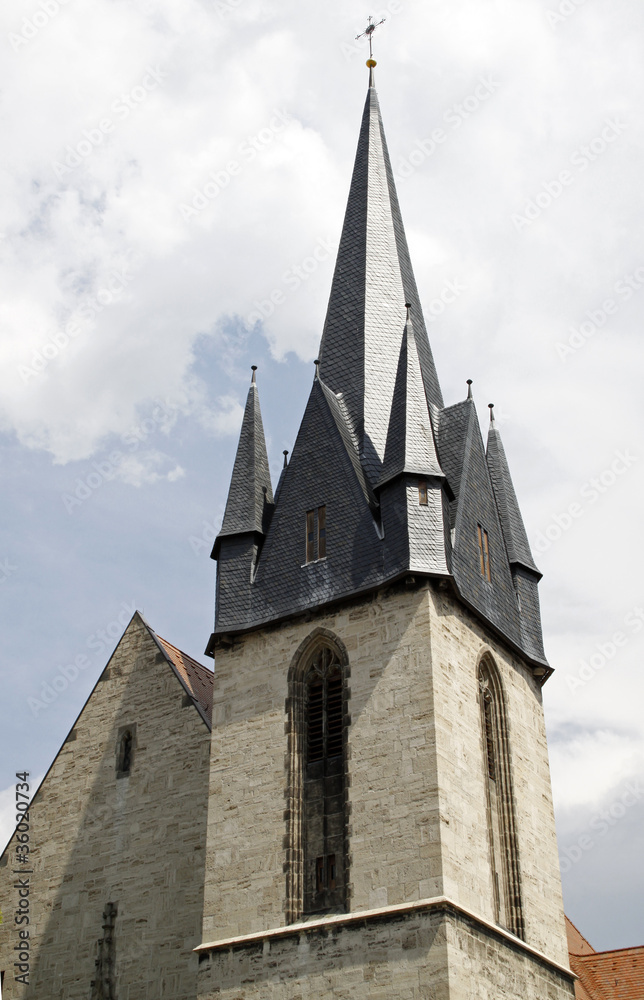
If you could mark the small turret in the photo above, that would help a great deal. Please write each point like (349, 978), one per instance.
(248, 512)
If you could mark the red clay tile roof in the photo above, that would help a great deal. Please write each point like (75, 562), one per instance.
(605, 975)
(196, 679)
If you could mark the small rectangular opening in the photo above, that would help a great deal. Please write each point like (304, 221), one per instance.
(484, 552)
(422, 492)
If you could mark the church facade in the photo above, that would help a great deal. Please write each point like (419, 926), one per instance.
(371, 815)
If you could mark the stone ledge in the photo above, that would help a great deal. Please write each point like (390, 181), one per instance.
(364, 916)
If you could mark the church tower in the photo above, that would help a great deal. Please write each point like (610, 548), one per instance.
(380, 816)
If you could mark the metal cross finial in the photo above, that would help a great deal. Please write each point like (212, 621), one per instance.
(369, 30)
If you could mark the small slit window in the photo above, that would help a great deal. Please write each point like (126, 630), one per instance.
(484, 552)
(422, 492)
(316, 534)
(125, 751)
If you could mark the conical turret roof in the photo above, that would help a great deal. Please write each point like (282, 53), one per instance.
(514, 533)
(250, 496)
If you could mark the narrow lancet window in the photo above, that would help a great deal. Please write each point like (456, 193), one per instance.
(503, 848)
(125, 752)
(317, 831)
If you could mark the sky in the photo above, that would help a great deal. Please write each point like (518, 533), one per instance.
(174, 177)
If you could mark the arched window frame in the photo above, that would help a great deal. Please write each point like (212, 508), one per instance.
(296, 730)
(500, 808)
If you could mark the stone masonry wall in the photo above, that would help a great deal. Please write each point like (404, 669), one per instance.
(426, 955)
(136, 841)
(393, 820)
(417, 800)
(458, 642)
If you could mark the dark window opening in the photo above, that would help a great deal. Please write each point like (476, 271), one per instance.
(316, 534)
(323, 814)
(422, 492)
(125, 751)
(484, 552)
(503, 843)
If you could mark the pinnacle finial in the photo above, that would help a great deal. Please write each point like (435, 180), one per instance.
(253, 379)
(317, 367)
(408, 308)
(469, 388)
(491, 406)
(285, 454)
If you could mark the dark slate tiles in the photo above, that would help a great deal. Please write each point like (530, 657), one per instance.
(250, 496)
(514, 532)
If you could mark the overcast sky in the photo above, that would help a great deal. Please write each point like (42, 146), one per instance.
(174, 179)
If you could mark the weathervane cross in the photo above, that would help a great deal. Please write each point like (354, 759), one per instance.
(369, 30)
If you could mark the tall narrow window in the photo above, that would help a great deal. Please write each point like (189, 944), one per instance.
(422, 492)
(484, 552)
(503, 847)
(125, 751)
(316, 534)
(317, 831)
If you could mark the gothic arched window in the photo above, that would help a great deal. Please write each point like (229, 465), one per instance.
(317, 829)
(504, 855)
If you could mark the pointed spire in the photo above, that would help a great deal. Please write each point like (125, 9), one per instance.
(410, 438)
(514, 533)
(250, 496)
(373, 279)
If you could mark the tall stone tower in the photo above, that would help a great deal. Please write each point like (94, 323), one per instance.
(380, 814)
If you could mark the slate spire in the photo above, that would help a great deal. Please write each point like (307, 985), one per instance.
(410, 439)
(514, 533)
(250, 497)
(373, 280)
